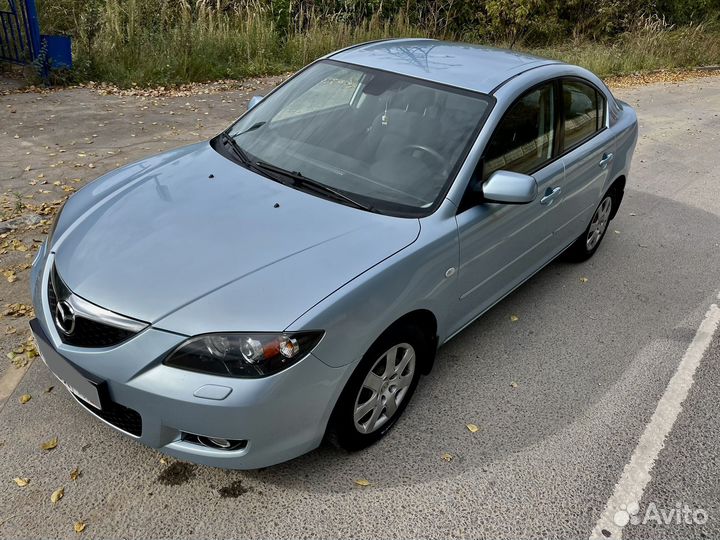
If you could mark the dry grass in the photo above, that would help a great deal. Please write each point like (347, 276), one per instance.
(652, 45)
(136, 43)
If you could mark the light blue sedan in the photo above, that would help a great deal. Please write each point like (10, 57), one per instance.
(236, 301)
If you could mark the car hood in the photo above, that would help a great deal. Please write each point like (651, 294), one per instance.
(193, 242)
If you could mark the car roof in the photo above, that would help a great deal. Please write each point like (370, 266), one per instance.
(473, 67)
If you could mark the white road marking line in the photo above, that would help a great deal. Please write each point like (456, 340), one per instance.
(636, 474)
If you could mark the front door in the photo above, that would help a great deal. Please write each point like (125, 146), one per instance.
(501, 245)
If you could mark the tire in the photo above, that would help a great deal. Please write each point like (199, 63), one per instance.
(360, 417)
(589, 241)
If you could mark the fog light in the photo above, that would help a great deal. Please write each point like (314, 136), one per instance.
(214, 442)
(222, 443)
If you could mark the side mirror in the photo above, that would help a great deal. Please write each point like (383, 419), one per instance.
(509, 188)
(254, 101)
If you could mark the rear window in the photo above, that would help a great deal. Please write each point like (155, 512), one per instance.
(583, 107)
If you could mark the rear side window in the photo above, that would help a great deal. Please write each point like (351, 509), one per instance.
(583, 108)
(523, 140)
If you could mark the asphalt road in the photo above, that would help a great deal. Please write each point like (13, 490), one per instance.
(590, 361)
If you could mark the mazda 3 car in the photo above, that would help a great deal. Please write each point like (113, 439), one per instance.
(236, 301)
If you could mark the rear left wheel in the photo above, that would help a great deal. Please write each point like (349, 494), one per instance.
(588, 242)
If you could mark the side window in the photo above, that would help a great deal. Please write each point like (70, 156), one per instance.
(583, 109)
(523, 140)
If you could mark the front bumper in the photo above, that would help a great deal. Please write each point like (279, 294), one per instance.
(280, 417)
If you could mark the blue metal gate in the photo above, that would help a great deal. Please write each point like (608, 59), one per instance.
(19, 31)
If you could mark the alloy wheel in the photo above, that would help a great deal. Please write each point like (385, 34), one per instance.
(384, 388)
(599, 223)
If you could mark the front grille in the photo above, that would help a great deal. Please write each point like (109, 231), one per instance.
(87, 332)
(123, 418)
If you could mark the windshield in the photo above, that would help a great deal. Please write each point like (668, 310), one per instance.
(391, 142)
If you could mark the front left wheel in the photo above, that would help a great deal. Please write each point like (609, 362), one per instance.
(380, 388)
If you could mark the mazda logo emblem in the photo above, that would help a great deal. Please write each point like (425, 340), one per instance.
(65, 317)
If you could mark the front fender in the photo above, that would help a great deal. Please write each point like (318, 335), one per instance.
(415, 278)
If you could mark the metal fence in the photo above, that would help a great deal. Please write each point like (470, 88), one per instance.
(19, 31)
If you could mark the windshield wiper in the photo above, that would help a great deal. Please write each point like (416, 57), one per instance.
(297, 178)
(300, 180)
(236, 149)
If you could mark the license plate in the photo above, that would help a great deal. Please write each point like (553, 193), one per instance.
(93, 398)
(83, 386)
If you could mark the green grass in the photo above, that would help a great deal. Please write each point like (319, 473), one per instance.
(128, 43)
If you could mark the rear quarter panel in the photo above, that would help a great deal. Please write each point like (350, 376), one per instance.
(624, 125)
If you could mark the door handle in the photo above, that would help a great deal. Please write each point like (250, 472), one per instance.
(550, 195)
(607, 158)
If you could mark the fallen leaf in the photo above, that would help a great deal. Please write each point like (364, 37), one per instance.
(19, 361)
(30, 348)
(75, 474)
(25, 398)
(49, 389)
(633, 214)
(362, 482)
(79, 526)
(57, 495)
(583, 280)
(447, 457)
(163, 461)
(472, 428)
(49, 445)
(616, 232)
(514, 318)
(22, 482)
(513, 384)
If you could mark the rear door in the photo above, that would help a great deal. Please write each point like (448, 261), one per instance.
(587, 150)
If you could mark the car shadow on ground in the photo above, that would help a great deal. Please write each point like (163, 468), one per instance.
(525, 381)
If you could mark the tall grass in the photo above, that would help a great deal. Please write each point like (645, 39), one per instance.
(166, 42)
(652, 44)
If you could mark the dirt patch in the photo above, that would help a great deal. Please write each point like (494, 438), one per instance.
(661, 76)
(177, 474)
(233, 491)
(9, 86)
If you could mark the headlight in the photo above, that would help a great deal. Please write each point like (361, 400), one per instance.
(54, 224)
(242, 355)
